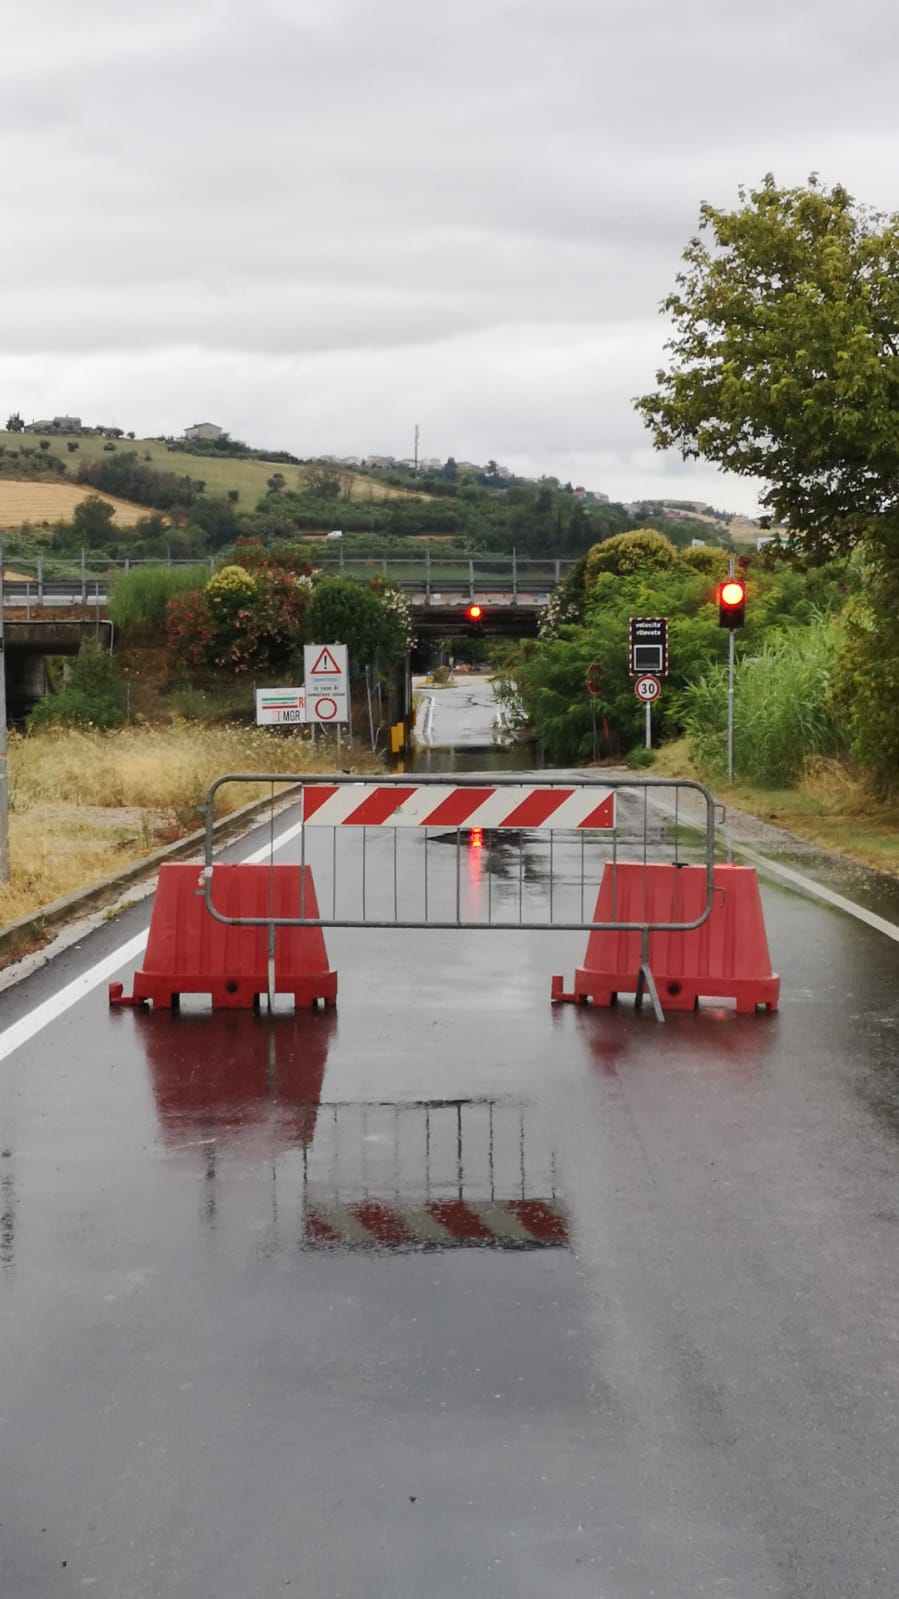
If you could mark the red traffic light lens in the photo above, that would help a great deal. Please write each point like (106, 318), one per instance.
(732, 593)
(474, 613)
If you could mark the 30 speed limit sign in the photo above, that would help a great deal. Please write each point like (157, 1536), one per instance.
(647, 688)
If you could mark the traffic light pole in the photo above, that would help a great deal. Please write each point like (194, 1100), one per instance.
(730, 692)
(730, 706)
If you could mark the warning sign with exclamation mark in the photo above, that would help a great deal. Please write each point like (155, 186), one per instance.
(326, 671)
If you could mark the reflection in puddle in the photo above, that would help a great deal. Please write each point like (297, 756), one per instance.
(228, 1074)
(436, 1174)
(430, 1174)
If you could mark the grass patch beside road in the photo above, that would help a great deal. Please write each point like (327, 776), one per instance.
(84, 804)
(828, 806)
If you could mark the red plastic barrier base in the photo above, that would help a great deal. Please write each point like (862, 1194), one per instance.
(726, 958)
(189, 952)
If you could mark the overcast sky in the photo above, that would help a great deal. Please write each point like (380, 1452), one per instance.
(320, 222)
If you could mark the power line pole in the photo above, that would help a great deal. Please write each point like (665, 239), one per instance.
(4, 769)
(416, 449)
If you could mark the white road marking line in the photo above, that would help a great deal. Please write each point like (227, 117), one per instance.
(43, 1015)
(818, 891)
(57, 1004)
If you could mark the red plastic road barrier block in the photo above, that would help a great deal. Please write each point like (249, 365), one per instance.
(726, 958)
(189, 952)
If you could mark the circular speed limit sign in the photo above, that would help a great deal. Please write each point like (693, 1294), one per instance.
(647, 689)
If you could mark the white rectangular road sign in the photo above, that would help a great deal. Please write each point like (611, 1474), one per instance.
(326, 670)
(279, 707)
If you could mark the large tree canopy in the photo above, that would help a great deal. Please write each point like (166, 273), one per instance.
(784, 363)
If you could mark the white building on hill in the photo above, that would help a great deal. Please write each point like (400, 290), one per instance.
(208, 431)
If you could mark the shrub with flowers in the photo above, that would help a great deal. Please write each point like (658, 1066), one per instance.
(240, 622)
(252, 615)
(399, 622)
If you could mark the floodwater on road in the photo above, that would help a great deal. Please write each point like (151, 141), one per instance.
(459, 729)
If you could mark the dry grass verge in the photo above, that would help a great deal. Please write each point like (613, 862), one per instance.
(84, 805)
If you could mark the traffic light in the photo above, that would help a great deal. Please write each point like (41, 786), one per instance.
(474, 616)
(732, 602)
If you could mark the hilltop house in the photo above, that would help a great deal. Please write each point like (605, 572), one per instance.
(56, 424)
(207, 431)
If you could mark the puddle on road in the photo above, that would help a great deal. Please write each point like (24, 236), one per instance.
(238, 1093)
(518, 757)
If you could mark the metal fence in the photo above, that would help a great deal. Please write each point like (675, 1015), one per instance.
(427, 579)
(469, 852)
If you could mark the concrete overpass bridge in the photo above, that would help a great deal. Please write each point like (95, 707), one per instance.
(28, 642)
(40, 620)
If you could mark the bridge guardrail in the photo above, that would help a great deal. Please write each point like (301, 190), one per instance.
(428, 576)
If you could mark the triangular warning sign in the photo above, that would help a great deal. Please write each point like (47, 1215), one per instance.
(326, 663)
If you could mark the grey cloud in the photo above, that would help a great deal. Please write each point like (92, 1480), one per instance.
(321, 220)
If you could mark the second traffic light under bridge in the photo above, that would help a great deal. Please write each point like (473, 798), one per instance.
(498, 619)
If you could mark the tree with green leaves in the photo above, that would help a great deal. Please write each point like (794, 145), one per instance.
(784, 366)
(784, 361)
(93, 519)
(373, 621)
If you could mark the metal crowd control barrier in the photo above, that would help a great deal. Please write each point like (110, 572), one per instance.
(412, 852)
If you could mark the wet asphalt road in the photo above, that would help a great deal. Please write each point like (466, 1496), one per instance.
(453, 1292)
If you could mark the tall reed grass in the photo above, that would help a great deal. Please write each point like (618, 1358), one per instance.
(782, 709)
(138, 599)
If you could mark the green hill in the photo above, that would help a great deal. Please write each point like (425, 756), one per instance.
(222, 474)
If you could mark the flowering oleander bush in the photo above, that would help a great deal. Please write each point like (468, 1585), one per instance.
(240, 622)
(400, 627)
(251, 616)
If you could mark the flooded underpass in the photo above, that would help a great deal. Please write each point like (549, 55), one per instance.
(459, 728)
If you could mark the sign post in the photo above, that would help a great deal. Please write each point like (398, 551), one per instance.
(648, 689)
(593, 680)
(647, 661)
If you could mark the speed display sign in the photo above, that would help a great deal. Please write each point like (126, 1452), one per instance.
(647, 688)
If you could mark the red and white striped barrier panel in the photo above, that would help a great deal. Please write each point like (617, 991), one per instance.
(445, 805)
(436, 1224)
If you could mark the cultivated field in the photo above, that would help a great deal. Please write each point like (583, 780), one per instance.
(32, 500)
(221, 474)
